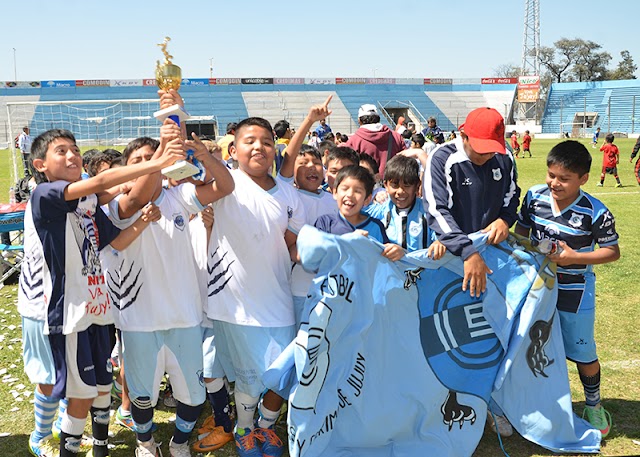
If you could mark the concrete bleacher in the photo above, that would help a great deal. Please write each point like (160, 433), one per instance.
(617, 104)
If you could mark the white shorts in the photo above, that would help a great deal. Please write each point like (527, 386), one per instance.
(177, 352)
(36, 353)
(216, 364)
(251, 351)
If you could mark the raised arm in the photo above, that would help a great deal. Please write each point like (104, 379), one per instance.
(316, 113)
(222, 183)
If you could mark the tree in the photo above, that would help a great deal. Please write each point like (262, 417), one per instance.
(590, 65)
(574, 60)
(626, 67)
(507, 71)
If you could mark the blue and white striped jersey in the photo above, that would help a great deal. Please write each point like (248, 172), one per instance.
(583, 224)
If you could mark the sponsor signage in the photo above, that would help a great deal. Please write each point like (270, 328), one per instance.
(256, 80)
(125, 82)
(195, 82)
(288, 80)
(380, 81)
(499, 81)
(319, 81)
(351, 80)
(68, 83)
(528, 89)
(21, 84)
(409, 81)
(448, 81)
(93, 83)
(529, 82)
(149, 82)
(213, 81)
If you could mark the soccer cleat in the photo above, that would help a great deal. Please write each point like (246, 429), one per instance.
(168, 400)
(599, 184)
(207, 426)
(272, 445)
(148, 449)
(599, 418)
(179, 450)
(500, 425)
(246, 443)
(126, 421)
(116, 393)
(43, 448)
(213, 440)
(618, 185)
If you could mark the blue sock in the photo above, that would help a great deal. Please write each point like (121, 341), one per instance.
(186, 417)
(44, 411)
(591, 386)
(220, 404)
(62, 409)
(142, 415)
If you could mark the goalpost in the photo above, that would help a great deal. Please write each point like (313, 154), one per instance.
(99, 123)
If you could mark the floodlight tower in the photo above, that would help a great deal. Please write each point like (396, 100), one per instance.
(530, 52)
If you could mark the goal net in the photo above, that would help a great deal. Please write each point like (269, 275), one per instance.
(97, 123)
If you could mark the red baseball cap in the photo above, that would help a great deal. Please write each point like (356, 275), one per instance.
(485, 129)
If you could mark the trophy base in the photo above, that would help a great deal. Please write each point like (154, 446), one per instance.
(180, 170)
(174, 110)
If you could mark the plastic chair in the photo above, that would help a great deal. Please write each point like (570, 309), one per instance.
(12, 253)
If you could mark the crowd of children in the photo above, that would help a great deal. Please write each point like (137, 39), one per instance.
(117, 247)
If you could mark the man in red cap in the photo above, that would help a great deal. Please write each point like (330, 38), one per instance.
(470, 185)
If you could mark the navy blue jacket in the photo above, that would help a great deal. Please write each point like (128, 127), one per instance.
(461, 198)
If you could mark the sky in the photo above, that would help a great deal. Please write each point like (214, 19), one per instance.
(116, 39)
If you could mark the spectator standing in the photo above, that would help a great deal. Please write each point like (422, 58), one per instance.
(24, 144)
(323, 129)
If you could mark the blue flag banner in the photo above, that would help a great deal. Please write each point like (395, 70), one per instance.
(393, 359)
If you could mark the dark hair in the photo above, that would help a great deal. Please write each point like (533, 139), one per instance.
(406, 134)
(325, 144)
(364, 157)
(609, 138)
(280, 128)
(305, 149)
(359, 173)
(344, 138)
(87, 156)
(231, 127)
(343, 153)
(418, 138)
(431, 118)
(41, 143)
(97, 160)
(369, 119)
(402, 169)
(254, 121)
(571, 155)
(138, 143)
(113, 153)
(329, 136)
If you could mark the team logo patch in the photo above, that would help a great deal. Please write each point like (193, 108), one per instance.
(414, 228)
(552, 229)
(178, 221)
(497, 174)
(289, 212)
(576, 220)
(467, 182)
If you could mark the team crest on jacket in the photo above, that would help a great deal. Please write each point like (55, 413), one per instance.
(178, 221)
(576, 220)
(497, 174)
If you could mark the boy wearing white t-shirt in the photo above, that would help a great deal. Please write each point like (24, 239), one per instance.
(249, 282)
(156, 288)
(302, 167)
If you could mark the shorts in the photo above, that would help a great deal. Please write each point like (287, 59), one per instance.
(610, 170)
(82, 361)
(251, 351)
(216, 364)
(298, 308)
(177, 352)
(36, 353)
(576, 293)
(578, 336)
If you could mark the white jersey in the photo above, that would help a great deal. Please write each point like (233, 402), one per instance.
(315, 205)
(199, 245)
(156, 284)
(249, 263)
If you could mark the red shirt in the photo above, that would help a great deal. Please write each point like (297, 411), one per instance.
(514, 141)
(610, 156)
(526, 141)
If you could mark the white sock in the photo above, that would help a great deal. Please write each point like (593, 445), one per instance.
(245, 409)
(266, 417)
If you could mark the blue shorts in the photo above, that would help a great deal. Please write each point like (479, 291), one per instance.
(578, 336)
(251, 351)
(177, 352)
(216, 363)
(36, 353)
(298, 308)
(82, 361)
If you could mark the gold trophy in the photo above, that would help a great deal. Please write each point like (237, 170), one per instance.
(169, 76)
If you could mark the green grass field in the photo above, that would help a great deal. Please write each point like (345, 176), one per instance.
(618, 313)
